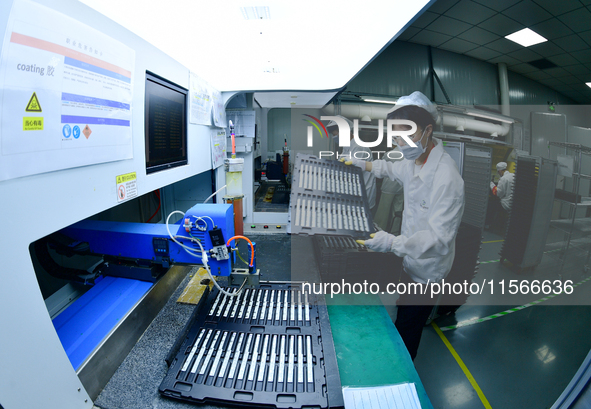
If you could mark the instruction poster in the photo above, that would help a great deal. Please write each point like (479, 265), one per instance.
(205, 102)
(219, 113)
(218, 147)
(66, 92)
(200, 100)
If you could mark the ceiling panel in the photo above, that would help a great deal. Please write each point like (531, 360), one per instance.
(558, 72)
(470, 12)
(571, 79)
(523, 68)
(458, 45)
(558, 7)
(577, 20)
(478, 35)
(525, 55)
(432, 38)
(504, 46)
(501, 25)
(586, 35)
(571, 43)
(498, 5)
(483, 53)
(408, 33)
(441, 6)
(583, 56)
(546, 49)
(527, 13)
(448, 26)
(552, 29)
(578, 69)
(563, 60)
(425, 19)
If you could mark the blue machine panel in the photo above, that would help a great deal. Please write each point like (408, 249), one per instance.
(85, 323)
(146, 241)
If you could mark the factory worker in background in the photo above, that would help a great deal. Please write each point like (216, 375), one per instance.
(349, 151)
(433, 208)
(504, 189)
(389, 212)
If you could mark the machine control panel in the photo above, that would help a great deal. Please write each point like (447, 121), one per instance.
(160, 245)
(219, 249)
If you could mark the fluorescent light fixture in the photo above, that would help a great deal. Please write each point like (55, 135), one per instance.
(256, 13)
(492, 117)
(588, 84)
(526, 37)
(379, 101)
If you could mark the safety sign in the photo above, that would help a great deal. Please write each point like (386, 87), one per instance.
(126, 187)
(33, 105)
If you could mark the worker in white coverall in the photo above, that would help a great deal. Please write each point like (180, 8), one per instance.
(503, 199)
(433, 208)
(349, 152)
(504, 189)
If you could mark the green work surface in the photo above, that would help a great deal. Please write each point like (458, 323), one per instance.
(369, 349)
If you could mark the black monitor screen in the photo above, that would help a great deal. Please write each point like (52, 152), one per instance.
(166, 124)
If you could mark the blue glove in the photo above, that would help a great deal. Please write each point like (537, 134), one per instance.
(380, 241)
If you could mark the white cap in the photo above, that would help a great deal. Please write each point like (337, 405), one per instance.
(501, 166)
(333, 123)
(419, 99)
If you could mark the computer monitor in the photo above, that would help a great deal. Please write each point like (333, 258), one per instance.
(165, 124)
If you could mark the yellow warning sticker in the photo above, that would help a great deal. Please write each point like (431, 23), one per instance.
(33, 105)
(126, 178)
(32, 123)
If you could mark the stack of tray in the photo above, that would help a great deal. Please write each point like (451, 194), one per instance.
(341, 257)
(328, 197)
(522, 210)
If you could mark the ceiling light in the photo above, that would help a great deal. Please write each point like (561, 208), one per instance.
(379, 101)
(526, 37)
(588, 84)
(492, 117)
(256, 13)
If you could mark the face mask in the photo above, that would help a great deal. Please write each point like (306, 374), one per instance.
(411, 153)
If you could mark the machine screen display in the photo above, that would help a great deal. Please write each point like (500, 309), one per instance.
(165, 124)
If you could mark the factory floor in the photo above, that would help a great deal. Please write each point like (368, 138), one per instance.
(523, 359)
(518, 360)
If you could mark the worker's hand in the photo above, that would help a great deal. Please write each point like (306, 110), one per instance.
(342, 159)
(356, 162)
(492, 185)
(380, 241)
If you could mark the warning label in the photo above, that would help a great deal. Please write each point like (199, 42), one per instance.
(32, 123)
(126, 187)
(33, 105)
(87, 131)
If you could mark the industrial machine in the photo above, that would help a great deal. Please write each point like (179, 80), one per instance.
(143, 251)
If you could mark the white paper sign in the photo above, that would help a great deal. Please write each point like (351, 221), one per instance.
(66, 94)
(219, 113)
(218, 147)
(200, 105)
(566, 165)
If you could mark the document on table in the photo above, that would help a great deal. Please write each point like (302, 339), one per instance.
(402, 396)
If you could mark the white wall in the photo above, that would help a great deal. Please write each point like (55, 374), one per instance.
(35, 371)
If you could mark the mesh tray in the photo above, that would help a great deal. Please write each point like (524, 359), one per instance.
(329, 197)
(268, 347)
